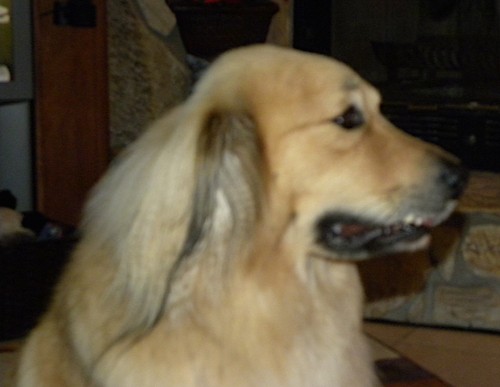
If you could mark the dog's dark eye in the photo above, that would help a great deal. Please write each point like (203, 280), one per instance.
(352, 118)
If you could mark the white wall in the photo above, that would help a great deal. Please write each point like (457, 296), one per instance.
(16, 154)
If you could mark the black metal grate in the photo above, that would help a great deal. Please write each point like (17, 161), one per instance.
(492, 133)
(473, 134)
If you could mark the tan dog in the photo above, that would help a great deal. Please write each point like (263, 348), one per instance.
(219, 251)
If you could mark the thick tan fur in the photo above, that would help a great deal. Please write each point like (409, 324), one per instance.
(198, 264)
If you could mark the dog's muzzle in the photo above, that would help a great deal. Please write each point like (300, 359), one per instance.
(354, 236)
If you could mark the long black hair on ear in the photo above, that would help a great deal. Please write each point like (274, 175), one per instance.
(228, 167)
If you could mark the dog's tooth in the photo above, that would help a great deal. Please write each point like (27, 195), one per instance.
(410, 218)
(418, 222)
(337, 228)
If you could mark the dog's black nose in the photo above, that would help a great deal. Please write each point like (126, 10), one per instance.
(454, 177)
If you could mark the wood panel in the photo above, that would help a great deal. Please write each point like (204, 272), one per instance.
(71, 111)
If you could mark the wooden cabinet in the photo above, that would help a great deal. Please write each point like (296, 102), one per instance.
(71, 111)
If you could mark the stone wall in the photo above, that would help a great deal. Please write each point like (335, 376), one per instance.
(147, 68)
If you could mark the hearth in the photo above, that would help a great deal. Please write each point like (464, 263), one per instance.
(436, 62)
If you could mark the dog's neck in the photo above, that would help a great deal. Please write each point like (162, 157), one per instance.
(271, 279)
(274, 266)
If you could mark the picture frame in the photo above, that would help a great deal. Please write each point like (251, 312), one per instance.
(17, 51)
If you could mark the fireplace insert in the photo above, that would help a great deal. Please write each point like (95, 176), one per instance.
(436, 62)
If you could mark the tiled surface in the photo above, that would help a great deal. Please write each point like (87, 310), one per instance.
(8, 361)
(463, 359)
(8, 358)
(381, 352)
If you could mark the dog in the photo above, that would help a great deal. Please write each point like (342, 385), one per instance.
(220, 249)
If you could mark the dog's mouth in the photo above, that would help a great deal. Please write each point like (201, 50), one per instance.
(357, 238)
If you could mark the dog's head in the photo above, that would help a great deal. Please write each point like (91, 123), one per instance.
(348, 182)
(275, 151)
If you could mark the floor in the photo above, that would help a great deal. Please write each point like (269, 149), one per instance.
(459, 358)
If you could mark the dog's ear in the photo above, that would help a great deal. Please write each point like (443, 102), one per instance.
(229, 182)
(191, 181)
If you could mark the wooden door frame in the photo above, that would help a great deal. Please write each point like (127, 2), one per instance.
(71, 111)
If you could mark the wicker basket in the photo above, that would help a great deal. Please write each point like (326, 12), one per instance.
(209, 29)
